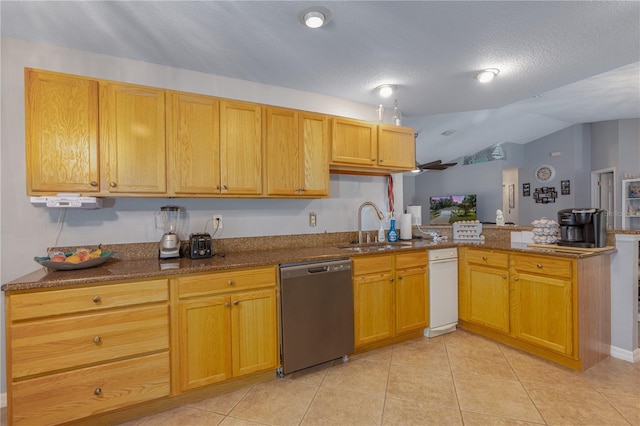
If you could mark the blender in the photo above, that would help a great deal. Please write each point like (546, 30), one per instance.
(169, 245)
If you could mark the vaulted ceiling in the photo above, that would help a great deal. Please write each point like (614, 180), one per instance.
(561, 62)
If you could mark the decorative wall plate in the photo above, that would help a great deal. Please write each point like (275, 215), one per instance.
(545, 173)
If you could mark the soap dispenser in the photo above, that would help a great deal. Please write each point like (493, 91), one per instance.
(381, 234)
(392, 235)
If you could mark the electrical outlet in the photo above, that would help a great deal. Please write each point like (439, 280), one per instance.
(217, 222)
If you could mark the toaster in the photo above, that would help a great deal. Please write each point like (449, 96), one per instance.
(200, 246)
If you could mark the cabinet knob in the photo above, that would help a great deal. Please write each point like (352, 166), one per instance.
(373, 159)
(390, 280)
(231, 282)
(504, 277)
(96, 340)
(484, 258)
(224, 187)
(94, 183)
(96, 299)
(227, 304)
(217, 186)
(113, 184)
(516, 279)
(381, 160)
(400, 278)
(236, 302)
(539, 265)
(97, 391)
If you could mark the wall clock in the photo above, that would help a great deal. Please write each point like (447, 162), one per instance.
(545, 173)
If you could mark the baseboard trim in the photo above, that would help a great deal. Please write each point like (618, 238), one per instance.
(625, 355)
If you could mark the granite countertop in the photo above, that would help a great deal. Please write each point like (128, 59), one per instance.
(146, 267)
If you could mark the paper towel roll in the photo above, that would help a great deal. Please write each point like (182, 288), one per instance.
(405, 226)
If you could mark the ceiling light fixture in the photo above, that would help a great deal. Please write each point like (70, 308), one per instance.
(386, 90)
(487, 75)
(315, 17)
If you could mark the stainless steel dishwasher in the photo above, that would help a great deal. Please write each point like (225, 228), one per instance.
(316, 313)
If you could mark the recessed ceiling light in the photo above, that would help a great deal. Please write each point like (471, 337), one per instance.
(315, 17)
(487, 75)
(386, 90)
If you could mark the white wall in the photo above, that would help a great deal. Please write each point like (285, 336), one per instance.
(27, 231)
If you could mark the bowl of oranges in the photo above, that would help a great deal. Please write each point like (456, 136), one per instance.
(78, 259)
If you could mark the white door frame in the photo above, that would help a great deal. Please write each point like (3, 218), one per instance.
(595, 199)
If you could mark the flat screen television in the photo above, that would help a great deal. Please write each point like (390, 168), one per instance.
(447, 209)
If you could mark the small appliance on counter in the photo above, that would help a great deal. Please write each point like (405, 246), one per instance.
(199, 246)
(586, 228)
(169, 245)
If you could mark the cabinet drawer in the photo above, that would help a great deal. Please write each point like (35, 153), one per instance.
(543, 265)
(226, 281)
(411, 260)
(81, 393)
(43, 346)
(372, 264)
(66, 301)
(488, 258)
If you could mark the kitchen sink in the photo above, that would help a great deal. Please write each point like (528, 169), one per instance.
(373, 247)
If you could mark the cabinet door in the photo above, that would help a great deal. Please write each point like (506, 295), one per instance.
(205, 341)
(354, 143)
(283, 152)
(193, 134)
(240, 148)
(488, 295)
(412, 300)
(314, 165)
(254, 331)
(396, 147)
(373, 308)
(61, 133)
(543, 311)
(133, 129)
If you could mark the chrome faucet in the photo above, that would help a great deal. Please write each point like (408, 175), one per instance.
(380, 216)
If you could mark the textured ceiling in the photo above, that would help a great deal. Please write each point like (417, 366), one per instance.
(582, 57)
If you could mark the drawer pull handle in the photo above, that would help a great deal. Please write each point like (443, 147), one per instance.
(484, 258)
(97, 340)
(231, 282)
(236, 302)
(97, 391)
(539, 265)
(97, 299)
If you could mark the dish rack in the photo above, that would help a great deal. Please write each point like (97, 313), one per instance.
(468, 230)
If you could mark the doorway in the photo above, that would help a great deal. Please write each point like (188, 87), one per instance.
(603, 195)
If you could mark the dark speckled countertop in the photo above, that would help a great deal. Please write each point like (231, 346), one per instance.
(139, 261)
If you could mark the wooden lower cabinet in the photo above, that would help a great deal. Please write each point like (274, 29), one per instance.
(542, 302)
(81, 393)
(556, 308)
(79, 352)
(484, 295)
(228, 335)
(390, 296)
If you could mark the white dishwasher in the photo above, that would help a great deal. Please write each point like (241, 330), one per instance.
(443, 291)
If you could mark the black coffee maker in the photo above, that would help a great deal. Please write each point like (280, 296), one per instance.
(582, 228)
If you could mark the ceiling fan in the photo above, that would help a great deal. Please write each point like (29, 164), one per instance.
(436, 165)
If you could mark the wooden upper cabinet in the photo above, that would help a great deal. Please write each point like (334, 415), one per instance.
(61, 133)
(133, 138)
(193, 140)
(297, 153)
(354, 143)
(396, 147)
(240, 148)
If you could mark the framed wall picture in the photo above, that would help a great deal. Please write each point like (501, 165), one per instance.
(565, 187)
(526, 189)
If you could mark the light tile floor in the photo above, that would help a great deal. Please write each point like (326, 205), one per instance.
(459, 378)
